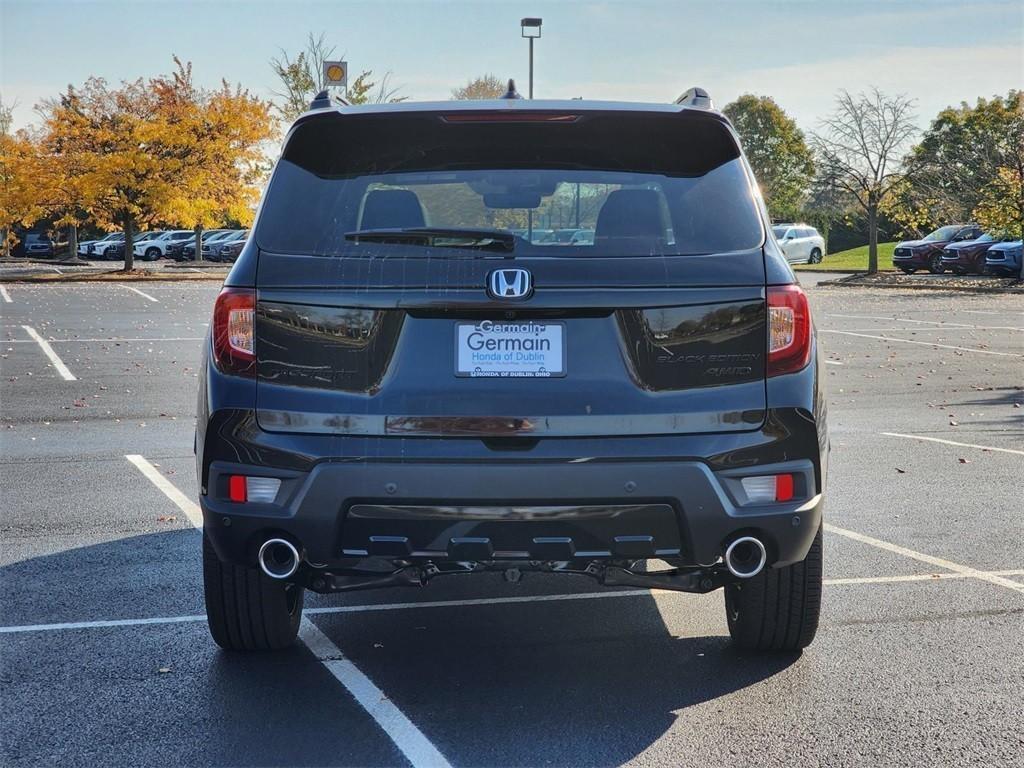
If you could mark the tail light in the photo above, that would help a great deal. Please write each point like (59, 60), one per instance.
(762, 489)
(234, 331)
(789, 329)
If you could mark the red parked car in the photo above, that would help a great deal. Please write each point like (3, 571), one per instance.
(926, 253)
(969, 256)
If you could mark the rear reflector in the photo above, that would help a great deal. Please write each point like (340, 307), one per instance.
(789, 329)
(767, 488)
(783, 487)
(236, 488)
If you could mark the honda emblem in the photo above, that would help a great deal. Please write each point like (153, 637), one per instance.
(510, 284)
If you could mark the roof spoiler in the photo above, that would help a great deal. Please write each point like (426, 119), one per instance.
(696, 97)
(324, 100)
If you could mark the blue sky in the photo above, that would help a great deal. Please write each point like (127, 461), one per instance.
(798, 52)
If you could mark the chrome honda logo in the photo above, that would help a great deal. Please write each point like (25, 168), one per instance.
(510, 284)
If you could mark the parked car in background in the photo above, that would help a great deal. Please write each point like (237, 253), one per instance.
(801, 243)
(163, 245)
(212, 244)
(99, 249)
(968, 256)
(1006, 259)
(37, 244)
(116, 251)
(232, 247)
(583, 237)
(86, 247)
(926, 253)
(188, 248)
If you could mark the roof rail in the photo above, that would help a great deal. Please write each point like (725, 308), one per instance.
(324, 100)
(696, 97)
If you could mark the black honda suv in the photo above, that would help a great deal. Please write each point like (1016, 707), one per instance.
(403, 382)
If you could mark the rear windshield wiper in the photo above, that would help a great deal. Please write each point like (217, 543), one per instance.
(440, 237)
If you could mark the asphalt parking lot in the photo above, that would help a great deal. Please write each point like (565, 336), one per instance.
(105, 657)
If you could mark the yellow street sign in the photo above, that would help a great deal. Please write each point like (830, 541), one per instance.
(336, 73)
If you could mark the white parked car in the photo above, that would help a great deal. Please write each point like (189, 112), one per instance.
(800, 243)
(90, 248)
(151, 250)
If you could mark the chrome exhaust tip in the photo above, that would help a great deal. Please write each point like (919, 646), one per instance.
(278, 558)
(745, 557)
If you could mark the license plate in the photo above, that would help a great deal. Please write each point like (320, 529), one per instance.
(509, 349)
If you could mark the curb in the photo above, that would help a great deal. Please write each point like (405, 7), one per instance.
(111, 277)
(853, 281)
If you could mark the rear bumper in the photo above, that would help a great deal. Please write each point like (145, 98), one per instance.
(679, 511)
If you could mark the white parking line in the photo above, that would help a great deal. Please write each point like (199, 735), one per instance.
(407, 737)
(924, 343)
(181, 501)
(953, 442)
(930, 559)
(487, 601)
(68, 341)
(66, 625)
(143, 295)
(989, 312)
(832, 362)
(930, 322)
(5, 295)
(48, 351)
(400, 729)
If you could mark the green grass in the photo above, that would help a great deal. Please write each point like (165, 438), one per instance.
(854, 260)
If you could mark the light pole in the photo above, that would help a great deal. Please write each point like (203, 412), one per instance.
(530, 27)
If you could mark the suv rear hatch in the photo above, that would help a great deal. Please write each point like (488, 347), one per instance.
(379, 310)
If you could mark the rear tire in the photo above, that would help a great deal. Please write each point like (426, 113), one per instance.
(246, 610)
(778, 609)
(815, 257)
(152, 254)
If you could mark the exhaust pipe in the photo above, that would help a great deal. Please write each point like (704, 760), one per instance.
(279, 558)
(745, 557)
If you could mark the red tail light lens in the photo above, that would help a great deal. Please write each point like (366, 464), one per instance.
(234, 323)
(237, 489)
(783, 487)
(789, 329)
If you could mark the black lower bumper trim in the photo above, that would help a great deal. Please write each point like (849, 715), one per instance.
(697, 580)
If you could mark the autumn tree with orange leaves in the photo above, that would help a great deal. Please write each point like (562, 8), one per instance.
(162, 151)
(28, 180)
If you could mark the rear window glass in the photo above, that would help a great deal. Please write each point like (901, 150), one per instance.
(633, 184)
